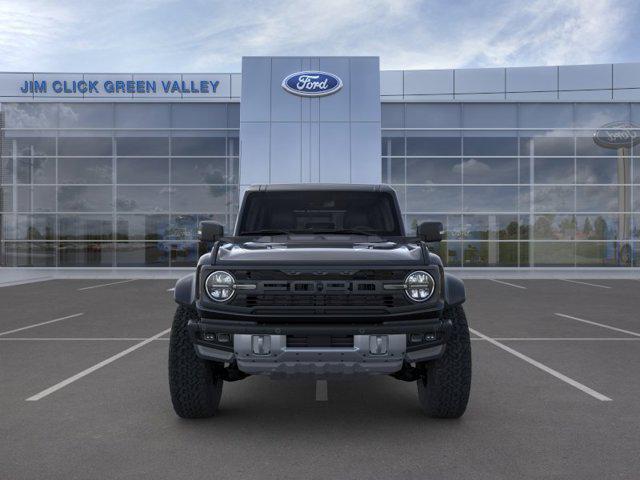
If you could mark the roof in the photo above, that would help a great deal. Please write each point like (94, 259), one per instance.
(337, 187)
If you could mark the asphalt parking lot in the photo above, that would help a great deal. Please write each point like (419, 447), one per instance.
(84, 394)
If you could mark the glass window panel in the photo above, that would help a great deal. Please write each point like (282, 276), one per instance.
(434, 170)
(554, 227)
(488, 146)
(6, 199)
(635, 227)
(186, 226)
(31, 146)
(554, 170)
(490, 227)
(233, 143)
(598, 114)
(553, 254)
(602, 198)
(85, 254)
(30, 115)
(449, 252)
(89, 146)
(36, 227)
(636, 198)
(490, 199)
(36, 199)
(524, 248)
(31, 254)
(199, 146)
(7, 227)
(143, 170)
(203, 115)
(143, 199)
(525, 227)
(141, 115)
(85, 227)
(203, 199)
(233, 115)
(138, 254)
(490, 115)
(418, 145)
(553, 199)
(603, 170)
(392, 115)
(233, 170)
(603, 227)
(545, 115)
(490, 254)
(85, 199)
(636, 170)
(603, 254)
(392, 144)
(199, 170)
(36, 170)
(141, 227)
(142, 146)
(393, 170)
(6, 170)
(525, 170)
(538, 144)
(432, 115)
(452, 224)
(490, 170)
(86, 115)
(585, 146)
(185, 256)
(85, 170)
(434, 199)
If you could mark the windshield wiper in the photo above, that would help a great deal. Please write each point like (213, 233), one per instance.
(271, 231)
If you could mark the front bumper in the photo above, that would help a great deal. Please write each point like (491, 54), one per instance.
(283, 360)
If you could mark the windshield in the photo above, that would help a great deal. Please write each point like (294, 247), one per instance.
(349, 212)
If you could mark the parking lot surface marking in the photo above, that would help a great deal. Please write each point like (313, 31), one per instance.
(509, 284)
(544, 368)
(584, 283)
(616, 329)
(41, 323)
(107, 284)
(322, 391)
(92, 369)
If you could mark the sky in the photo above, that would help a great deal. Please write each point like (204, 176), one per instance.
(212, 36)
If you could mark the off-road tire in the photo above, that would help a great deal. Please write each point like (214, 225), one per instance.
(443, 391)
(195, 386)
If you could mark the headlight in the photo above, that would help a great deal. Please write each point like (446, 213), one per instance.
(220, 286)
(419, 286)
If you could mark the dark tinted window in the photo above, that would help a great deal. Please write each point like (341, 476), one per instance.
(315, 211)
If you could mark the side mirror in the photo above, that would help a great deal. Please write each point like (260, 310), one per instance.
(430, 231)
(209, 232)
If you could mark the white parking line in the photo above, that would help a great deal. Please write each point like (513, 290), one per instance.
(546, 339)
(507, 283)
(615, 329)
(106, 284)
(322, 391)
(544, 368)
(171, 289)
(81, 339)
(584, 283)
(77, 376)
(41, 323)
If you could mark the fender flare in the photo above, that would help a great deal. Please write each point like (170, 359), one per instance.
(454, 292)
(185, 290)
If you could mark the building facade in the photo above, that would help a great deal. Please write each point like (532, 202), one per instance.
(525, 167)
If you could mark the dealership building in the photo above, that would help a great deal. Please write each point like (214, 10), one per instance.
(526, 167)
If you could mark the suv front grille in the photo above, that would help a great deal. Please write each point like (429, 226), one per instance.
(319, 341)
(328, 300)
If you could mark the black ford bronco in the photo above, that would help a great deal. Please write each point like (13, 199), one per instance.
(319, 280)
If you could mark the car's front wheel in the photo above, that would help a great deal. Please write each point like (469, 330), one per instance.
(195, 384)
(443, 389)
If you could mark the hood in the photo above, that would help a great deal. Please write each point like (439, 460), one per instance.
(319, 249)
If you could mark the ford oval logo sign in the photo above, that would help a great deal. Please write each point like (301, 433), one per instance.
(312, 84)
(617, 135)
